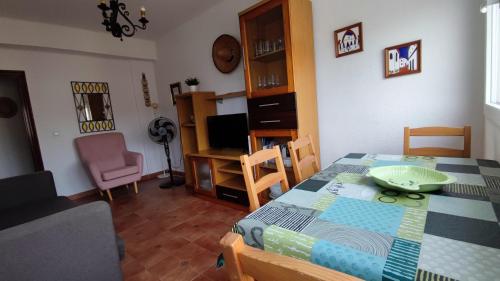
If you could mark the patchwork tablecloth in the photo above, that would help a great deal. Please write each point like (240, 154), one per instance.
(342, 220)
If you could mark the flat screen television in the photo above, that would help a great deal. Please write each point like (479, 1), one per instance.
(228, 131)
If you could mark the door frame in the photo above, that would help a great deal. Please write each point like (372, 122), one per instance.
(27, 112)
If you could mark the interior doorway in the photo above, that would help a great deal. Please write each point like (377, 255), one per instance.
(19, 146)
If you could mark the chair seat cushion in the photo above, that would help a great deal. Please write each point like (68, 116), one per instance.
(120, 172)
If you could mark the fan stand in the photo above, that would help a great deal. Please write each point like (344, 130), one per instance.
(174, 181)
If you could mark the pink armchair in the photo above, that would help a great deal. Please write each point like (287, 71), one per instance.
(109, 162)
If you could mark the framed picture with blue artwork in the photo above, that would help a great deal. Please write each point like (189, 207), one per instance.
(348, 40)
(403, 59)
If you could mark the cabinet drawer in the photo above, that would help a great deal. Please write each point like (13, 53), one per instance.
(232, 195)
(279, 103)
(273, 120)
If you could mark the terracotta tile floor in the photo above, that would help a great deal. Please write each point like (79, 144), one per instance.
(170, 234)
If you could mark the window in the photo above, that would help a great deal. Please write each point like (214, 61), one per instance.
(493, 53)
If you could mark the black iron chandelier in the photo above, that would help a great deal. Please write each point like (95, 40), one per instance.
(110, 14)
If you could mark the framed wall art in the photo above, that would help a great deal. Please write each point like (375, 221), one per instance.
(93, 106)
(175, 90)
(348, 40)
(403, 59)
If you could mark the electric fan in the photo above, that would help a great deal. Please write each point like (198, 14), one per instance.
(162, 131)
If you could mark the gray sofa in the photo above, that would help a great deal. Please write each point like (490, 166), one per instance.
(45, 237)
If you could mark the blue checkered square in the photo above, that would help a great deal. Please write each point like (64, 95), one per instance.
(372, 216)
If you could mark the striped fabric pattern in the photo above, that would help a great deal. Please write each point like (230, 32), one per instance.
(467, 189)
(423, 275)
(289, 243)
(282, 218)
(413, 224)
(402, 260)
(492, 182)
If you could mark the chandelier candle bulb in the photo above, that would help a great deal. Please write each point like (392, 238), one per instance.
(143, 12)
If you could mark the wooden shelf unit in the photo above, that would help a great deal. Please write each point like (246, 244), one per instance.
(212, 173)
(192, 125)
(192, 110)
(229, 95)
(271, 56)
(282, 137)
(292, 21)
(235, 183)
(231, 168)
(226, 174)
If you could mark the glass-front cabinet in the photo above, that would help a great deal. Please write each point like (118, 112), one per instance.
(266, 45)
(202, 174)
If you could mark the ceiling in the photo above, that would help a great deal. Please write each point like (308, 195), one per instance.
(163, 15)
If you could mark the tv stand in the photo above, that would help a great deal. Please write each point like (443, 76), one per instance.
(217, 174)
(212, 173)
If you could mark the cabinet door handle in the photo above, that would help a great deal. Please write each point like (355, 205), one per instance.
(269, 104)
(229, 195)
(270, 121)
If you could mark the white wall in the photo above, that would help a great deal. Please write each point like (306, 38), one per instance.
(36, 34)
(187, 51)
(48, 75)
(15, 153)
(361, 111)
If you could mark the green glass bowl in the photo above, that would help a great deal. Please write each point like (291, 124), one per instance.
(410, 178)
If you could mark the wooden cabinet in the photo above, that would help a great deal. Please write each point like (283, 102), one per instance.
(218, 174)
(203, 181)
(278, 47)
(265, 33)
(272, 112)
(192, 111)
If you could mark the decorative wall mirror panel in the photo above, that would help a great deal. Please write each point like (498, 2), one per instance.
(93, 106)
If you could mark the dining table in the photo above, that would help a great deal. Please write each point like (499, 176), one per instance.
(341, 219)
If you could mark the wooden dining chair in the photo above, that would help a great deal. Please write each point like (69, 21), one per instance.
(255, 187)
(244, 263)
(464, 132)
(308, 165)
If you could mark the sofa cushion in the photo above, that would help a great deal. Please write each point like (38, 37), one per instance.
(78, 244)
(120, 172)
(25, 189)
(34, 210)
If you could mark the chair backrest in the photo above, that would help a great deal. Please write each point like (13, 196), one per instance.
(255, 187)
(106, 150)
(307, 165)
(244, 263)
(464, 132)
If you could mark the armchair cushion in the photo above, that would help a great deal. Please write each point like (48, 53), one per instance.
(119, 172)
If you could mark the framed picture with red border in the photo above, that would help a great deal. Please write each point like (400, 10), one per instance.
(403, 59)
(348, 40)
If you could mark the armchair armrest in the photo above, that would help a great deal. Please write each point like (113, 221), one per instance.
(134, 159)
(24, 189)
(94, 172)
